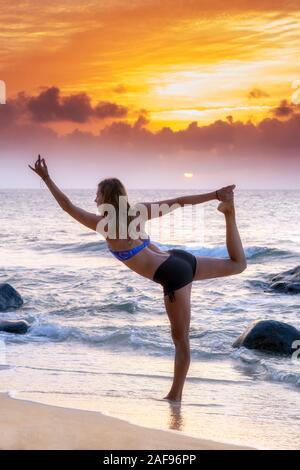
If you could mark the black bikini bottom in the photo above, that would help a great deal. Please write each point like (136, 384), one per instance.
(176, 271)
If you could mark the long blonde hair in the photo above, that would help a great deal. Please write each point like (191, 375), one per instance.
(111, 189)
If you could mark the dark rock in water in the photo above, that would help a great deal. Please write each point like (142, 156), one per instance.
(19, 327)
(9, 298)
(287, 281)
(270, 336)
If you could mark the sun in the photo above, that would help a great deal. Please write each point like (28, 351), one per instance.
(188, 175)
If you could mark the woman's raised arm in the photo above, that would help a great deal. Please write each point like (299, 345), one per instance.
(159, 208)
(224, 194)
(86, 218)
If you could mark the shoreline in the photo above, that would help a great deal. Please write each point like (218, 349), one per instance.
(29, 425)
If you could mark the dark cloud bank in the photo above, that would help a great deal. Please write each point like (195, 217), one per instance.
(224, 145)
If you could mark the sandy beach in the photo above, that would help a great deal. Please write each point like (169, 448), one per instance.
(27, 425)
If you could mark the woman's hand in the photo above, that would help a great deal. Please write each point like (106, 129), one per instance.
(40, 168)
(225, 194)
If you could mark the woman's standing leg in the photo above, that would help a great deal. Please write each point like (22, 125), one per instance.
(179, 313)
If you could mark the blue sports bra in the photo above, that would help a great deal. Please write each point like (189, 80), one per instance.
(127, 254)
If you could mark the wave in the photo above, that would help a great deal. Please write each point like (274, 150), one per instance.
(121, 338)
(129, 307)
(94, 310)
(100, 246)
(251, 364)
(88, 247)
(60, 333)
(110, 336)
(258, 284)
(274, 369)
(291, 378)
(251, 252)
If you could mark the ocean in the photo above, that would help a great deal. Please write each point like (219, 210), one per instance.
(100, 337)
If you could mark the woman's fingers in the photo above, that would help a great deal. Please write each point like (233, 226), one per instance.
(38, 162)
(37, 165)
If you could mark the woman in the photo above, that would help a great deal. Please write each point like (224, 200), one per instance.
(175, 269)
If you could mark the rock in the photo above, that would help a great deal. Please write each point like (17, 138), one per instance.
(287, 281)
(270, 336)
(19, 327)
(9, 298)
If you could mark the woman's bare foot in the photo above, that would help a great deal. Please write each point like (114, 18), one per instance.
(173, 399)
(227, 208)
(225, 194)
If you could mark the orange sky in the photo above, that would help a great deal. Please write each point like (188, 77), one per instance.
(181, 61)
(222, 77)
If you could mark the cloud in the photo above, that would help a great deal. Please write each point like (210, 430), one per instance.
(253, 155)
(23, 118)
(233, 139)
(141, 121)
(49, 106)
(13, 110)
(256, 93)
(109, 110)
(285, 109)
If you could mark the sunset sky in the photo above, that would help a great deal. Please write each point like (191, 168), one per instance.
(162, 94)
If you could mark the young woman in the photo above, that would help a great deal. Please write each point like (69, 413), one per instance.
(174, 269)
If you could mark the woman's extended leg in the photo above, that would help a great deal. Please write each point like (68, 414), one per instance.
(179, 313)
(216, 267)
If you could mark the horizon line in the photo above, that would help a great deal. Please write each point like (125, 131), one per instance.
(155, 189)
